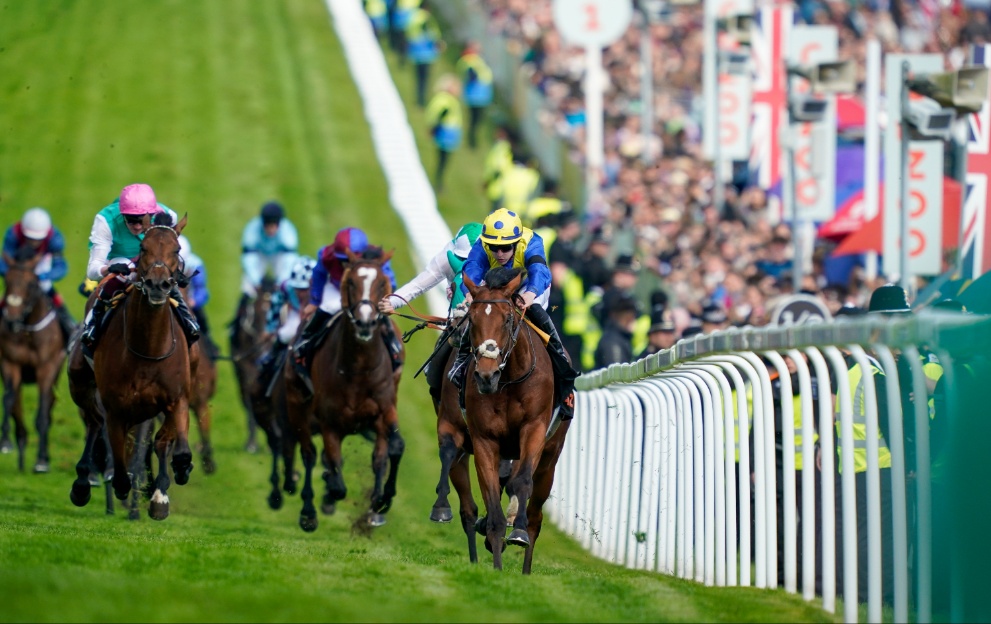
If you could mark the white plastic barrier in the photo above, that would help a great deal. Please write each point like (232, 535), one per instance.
(656, 473)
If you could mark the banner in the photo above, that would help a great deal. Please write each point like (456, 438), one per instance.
(813, 144)
(977, 205)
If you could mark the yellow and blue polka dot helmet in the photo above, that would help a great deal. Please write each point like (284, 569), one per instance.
(501, 227)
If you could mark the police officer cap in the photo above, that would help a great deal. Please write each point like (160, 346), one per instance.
(889, 299)
(624, 303)
(627, 264)
(849, 309)
(661, 321)
(695, 327)
(713, 314)
(272, 212)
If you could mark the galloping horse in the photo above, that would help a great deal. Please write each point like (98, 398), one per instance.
(140, 369)
(203, 376)
(355, 391)
(248, 343)
(509, 394)
(270, 414)
(31, 349)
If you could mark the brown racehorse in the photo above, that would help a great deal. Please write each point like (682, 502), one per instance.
(140, 369)
(509, 396)
(31, 349)
(270, 414)
(355, 391)
(203, 374)
(248, 343)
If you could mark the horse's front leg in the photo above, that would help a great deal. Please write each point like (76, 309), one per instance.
(487, 468)
(274, 438)
(80, 492)
(333, 474)
(461, 478)
(43, 417)
(204, 420)
(138, 467)
(182, 455)
(166, 435)
(12, 408)
(521, 482)
(395, 447)
(308, 515)
(447, 448)
(117, 434)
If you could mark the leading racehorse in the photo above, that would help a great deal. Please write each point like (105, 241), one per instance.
(509, 395)
(32, 348)
(140, 368)
(355, 390)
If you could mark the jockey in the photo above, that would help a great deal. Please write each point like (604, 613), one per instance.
(505, 242)
(269, 243)
(284, 316)
(35, 235)
(114, 245)
(199, 294)
(446, 265)
(325, 293)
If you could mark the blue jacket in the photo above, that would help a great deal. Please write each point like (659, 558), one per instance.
(54, 245)
(538, 276)
(321, 275)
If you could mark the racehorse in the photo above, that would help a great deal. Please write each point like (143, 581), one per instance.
(269, 409)
(140, 368)
(248, 343)
(509, 394)
(203, 375)
(32, 349)
(355, 390)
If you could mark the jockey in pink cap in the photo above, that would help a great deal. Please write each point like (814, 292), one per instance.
(114, 245)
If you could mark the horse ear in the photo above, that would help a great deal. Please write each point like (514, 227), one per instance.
(352, 257)
(387, 255)
(345, 292)
(470, 285)
(514, 284)
(182, 224)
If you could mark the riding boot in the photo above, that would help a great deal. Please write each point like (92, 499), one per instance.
(268, 365)
(186, 319)
(392, 342)
(65, 321)
(302, 348)
(564, 373)
(459, 369)
(93, 328)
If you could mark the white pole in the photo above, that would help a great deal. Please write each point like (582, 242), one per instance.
(593, 121)
(872, 145)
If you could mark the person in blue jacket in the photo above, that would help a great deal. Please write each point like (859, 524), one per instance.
(269, 244)
(198, 292)
(504, 242)
(33, 236)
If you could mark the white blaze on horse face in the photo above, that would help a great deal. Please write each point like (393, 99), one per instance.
(368, 274)
(14, 300)
(489, 349)
(366, 313)
(488, 309)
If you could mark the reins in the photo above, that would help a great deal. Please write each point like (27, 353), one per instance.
(142, 355)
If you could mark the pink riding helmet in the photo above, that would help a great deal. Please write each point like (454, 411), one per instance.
(138, 199)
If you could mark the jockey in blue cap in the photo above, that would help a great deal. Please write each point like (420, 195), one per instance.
(325, 295)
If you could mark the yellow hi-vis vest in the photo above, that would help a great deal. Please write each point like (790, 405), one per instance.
(519, 261)
(640, 333)
(856, 380)
(497, 162)
(549, 235)
(476, 63)
(541, 207)
(519, 183)
(590, 339)
(575, 310)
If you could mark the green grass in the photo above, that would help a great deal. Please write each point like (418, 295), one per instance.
(221, 106)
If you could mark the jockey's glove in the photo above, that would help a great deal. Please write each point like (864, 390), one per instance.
(460, 310)
(119, 268)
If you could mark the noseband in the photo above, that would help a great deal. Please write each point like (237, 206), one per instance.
(517, 325)
(18, 325)
(173, 280)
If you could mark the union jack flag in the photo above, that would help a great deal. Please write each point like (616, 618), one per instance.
(769, 39)
(977, 203)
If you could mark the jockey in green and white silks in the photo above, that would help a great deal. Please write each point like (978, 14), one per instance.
(114, 245)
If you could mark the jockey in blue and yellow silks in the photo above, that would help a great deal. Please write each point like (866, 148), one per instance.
(504, 242)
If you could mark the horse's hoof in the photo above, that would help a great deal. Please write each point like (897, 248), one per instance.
(80, 493)
(209, 467)
(488, 546)
(122, 494)
(181, 467)
(480, 526)
(328, 509)
(289, 489)
(6, 446)
(41, 467)
(158, 511)
(519, 537)
(251, 446)
(375, 519)
(308, 524)
(275, 500)
(442, 515)
(133, 514)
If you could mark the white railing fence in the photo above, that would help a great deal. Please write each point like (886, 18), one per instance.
(673, 462)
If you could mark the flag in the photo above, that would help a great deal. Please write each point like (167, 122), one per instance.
(768, 44)
(977, 203)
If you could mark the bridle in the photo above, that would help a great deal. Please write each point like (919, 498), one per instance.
(34, 296)
(516, 326)
(140, 284)
(349, 311)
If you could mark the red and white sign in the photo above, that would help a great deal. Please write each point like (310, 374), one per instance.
(592, 22)
(734, 91)
(925, 207)
(734, 117)
(814, 144)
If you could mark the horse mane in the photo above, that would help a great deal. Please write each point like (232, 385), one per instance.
(499, 277)
(24, 253)
(162, 218)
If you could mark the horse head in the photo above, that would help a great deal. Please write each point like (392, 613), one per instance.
(363, 284)
(23, 291)
(493, 324)
(159, 265)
